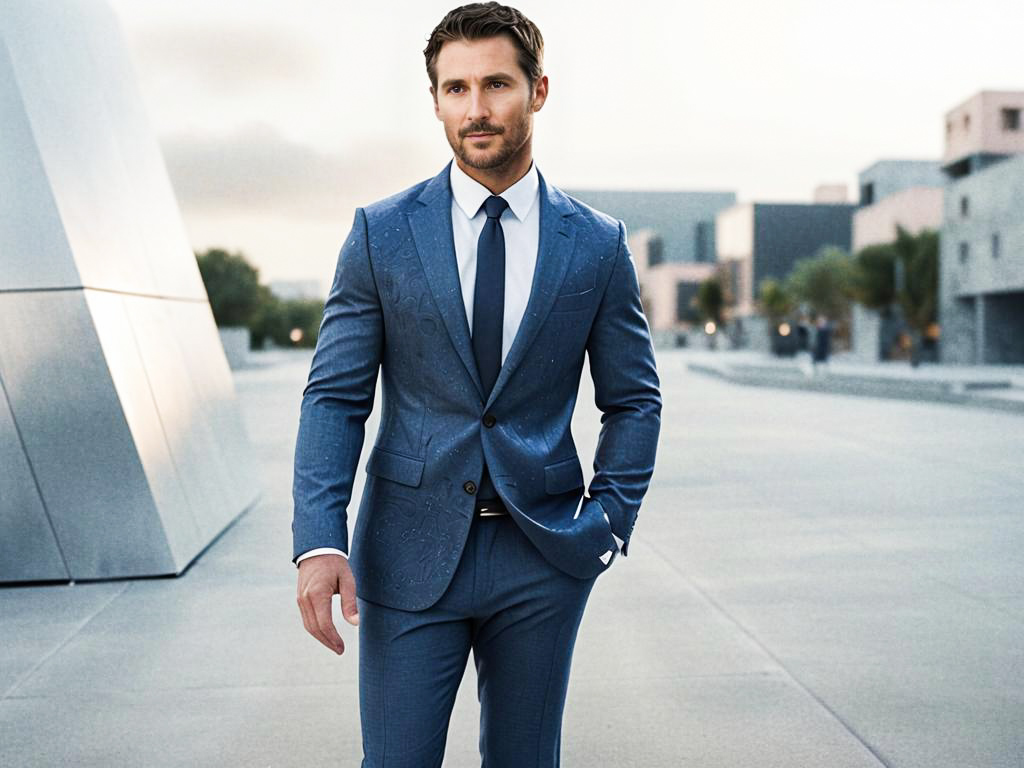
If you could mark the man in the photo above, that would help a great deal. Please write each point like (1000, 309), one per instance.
(476, 294)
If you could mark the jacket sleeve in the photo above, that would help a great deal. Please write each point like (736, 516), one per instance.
(626, 390)
(337, 399)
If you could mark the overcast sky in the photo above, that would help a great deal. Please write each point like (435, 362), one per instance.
(278, 118)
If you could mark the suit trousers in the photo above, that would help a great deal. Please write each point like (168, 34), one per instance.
(519, 615)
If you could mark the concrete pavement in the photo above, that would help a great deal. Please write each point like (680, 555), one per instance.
(815, 580)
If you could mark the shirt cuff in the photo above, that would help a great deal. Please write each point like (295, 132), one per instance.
(320, 551)
(617, 539)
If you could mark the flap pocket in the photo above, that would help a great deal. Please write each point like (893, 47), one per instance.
(395, 467)
(563, 475)
(567, 302)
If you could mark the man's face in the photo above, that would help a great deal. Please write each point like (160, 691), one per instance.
(485, 101)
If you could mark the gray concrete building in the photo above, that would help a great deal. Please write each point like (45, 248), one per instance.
(981, 279)
(893, 193)
(682, 223)
(760, 240)
(885, 178)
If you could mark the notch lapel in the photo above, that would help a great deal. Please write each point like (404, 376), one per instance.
(431, 225)
(554, 250)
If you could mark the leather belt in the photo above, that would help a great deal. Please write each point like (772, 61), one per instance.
(488, 507)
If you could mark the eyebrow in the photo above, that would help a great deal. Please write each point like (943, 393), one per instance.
(487, 78)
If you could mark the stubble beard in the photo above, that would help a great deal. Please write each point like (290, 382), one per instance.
(513, 139)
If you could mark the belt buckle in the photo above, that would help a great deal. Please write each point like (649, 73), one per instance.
(488, 509)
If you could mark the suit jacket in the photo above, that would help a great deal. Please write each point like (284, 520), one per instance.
(396, 306)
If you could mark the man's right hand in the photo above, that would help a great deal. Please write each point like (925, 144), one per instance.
(320, 578)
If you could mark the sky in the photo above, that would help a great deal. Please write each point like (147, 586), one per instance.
(277, 119)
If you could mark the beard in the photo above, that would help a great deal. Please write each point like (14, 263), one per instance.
(510, 139)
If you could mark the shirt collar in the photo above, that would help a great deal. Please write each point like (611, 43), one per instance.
(470, 193)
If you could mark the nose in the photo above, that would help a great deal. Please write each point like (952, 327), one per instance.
(478, 109)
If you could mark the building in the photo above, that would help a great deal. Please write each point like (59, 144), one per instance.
(893, 193)
(888, 177)
(981, 277)
(760, 240)
(682, 223)
(667, 289)
(297, 289)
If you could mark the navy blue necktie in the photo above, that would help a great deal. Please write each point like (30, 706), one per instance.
(489, 308)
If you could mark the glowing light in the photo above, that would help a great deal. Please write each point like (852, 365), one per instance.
(709, 327)
(295, 335)
(783, 329)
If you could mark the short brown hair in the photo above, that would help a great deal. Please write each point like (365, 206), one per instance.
(477, 21)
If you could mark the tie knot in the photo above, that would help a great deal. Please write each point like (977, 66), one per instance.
(495, 206)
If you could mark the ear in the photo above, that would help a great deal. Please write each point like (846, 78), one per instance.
(437, 109)
(540, 94)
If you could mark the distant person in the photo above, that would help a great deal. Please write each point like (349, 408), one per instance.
(822, 340)
(476, 294)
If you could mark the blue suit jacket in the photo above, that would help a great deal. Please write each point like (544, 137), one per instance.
(396, 305)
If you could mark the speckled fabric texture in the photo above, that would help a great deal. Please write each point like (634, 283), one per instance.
(395, 306)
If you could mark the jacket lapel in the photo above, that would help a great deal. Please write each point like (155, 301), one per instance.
(431, 224)
(557, 238)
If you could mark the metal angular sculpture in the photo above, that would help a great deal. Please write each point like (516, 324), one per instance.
(122, 450)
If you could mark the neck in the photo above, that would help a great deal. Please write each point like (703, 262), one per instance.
(500, 178)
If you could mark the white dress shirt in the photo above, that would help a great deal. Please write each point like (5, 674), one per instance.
(520, 224)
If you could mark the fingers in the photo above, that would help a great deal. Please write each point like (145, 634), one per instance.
(318, 582)
(349, 606)
(328, 633)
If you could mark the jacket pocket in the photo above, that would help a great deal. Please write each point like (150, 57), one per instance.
(567, 302)
(395, 467)
(563, 475)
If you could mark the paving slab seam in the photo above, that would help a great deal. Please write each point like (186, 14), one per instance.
(32, 670)
(714, 604)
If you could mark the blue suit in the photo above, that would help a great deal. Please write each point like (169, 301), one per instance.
(396, 305)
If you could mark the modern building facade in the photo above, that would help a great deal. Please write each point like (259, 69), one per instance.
(123, 452)
(893, 193)
(683, 223)
(668, 290)
(760, 240)
(981, 279)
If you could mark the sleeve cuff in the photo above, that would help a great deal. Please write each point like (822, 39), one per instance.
(320, 551)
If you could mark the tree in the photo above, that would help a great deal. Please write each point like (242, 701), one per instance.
(232, 285)
(711, 300)
(826, 283)
(904, 272)
(874, 276)
(775, 301)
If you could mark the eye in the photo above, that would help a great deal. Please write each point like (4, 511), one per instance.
(498, 83)
(454, 88)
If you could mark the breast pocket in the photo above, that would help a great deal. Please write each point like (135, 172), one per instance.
(570, 302)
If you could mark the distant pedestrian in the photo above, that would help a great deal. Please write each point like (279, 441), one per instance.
(822, 340)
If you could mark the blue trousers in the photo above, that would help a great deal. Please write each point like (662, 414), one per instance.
(518, 613)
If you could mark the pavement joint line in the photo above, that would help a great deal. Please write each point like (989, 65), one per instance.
(70, 636)
(875, 753)
(344, 685)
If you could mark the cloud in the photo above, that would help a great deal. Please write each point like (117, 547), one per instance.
(257, 170)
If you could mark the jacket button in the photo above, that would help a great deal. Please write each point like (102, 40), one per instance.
(489, 420)
(469, 486)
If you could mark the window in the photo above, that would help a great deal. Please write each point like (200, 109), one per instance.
(1011, 118)
(965, 205)
(995, 245)
(867, 193)
(965, 252)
